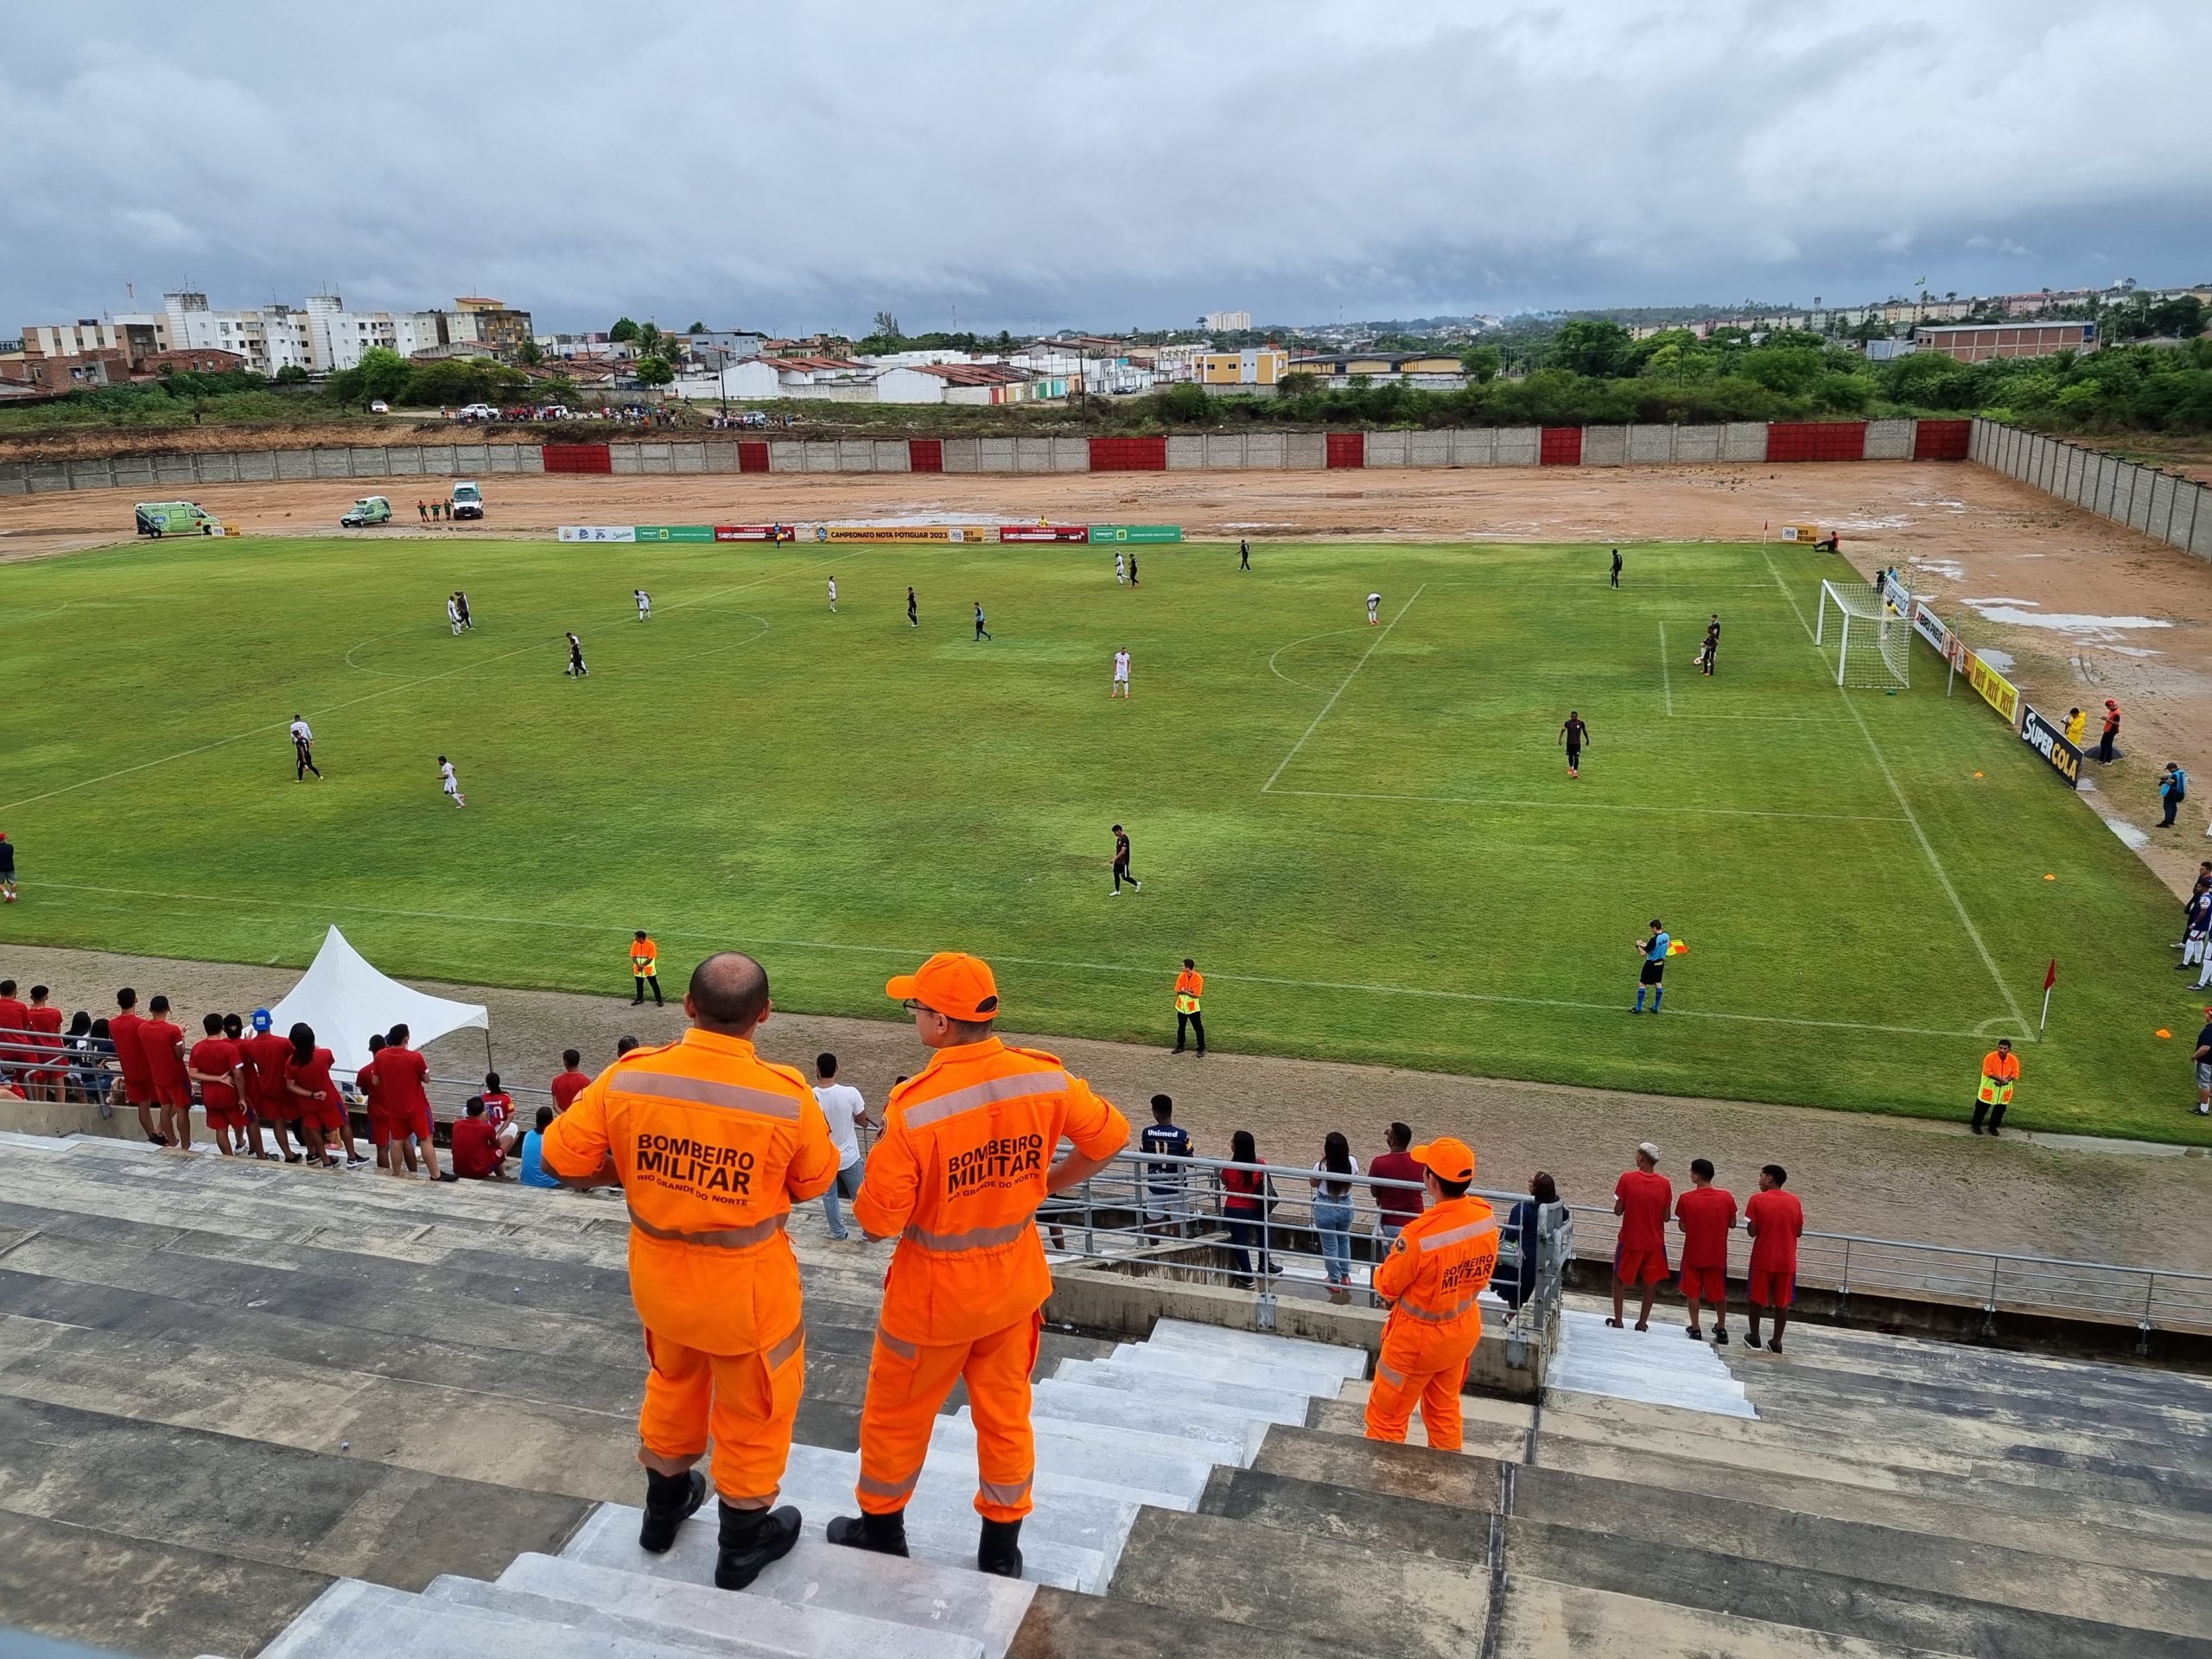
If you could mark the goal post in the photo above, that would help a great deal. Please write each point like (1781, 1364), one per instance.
(1869, 634)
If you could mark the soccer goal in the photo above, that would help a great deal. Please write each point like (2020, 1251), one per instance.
(1873, 633)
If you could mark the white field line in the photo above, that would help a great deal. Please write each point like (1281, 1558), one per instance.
(1293, 644)
(350, 702)
(1285, 762)
(1593, 806)
(1666, 674)
(232, 901)
(1927, 847)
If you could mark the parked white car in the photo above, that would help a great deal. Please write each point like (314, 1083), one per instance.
(478, 412)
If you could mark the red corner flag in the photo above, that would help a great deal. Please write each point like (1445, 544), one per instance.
(2051, 974)
(2049, 979)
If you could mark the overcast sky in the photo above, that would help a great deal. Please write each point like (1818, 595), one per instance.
(1031, 165)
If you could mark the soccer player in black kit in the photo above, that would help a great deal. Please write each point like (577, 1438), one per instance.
(1121, 863)
(1575, 734)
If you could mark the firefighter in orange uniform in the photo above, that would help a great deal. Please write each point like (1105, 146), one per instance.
(1438, 1267)
(710, 1146)
(964, 1161)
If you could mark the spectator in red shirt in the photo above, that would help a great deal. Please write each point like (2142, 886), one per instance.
(214, 1065)
(400, 1073)
(307, 1077)
(500, 1112)
(162, 1041)
(130, 1060)
(43, 1019)
(1641, 1198)
(1706, 1214)
(572, 1082)
(266, 1054)
(370, 1080)
(14, 1025)
(1776, 1221)
(1395, 1206)
(476, 1155)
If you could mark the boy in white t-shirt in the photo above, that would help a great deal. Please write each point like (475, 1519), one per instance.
(1374, 609)
(450, 783)
(645, 604)
(833, 595)
(1121, 673)
(842, 1105)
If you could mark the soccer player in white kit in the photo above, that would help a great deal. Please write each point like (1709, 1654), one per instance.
(645, 604)
(1373, 605)
(450, 783)
(452, 612)
(1121, 673)
(1121, 572)
(833, 595)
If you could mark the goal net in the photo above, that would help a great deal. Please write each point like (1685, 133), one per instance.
(1868, 634)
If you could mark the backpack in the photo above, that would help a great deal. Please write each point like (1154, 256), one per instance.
(2181, 784)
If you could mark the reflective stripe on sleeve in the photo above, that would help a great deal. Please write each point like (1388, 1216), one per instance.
(720, 1238)
(1456, 1235)
(976, 1238)
(1022, 1085)
(706, 1091)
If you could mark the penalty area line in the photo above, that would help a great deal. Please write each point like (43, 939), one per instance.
(235, 902)
(1595, 806)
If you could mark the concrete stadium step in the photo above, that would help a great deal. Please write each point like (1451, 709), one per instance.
(1296, 1353)
(1359, 1599)
(1592, 1357)
(1189, 1458)
(1064, 1625)
(353, 1620)
(1542, 1619)
(1240, 1430)
(1838, 1603)
(921, 1593)
(1067, 1540)
(1274, 1375)
(1087, 1467)
(1482, 1435)
(629, 1606)
(1349, 1515)
(1330, 1459)
(2048, 1580)
(1277, 1406)
(2027, 1525)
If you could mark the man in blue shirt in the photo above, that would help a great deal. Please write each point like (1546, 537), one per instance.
(1165, 1208)
(534, 1172)
(1654, 952)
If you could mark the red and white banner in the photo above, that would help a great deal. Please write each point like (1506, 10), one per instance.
(1043, 532)
(756, 533)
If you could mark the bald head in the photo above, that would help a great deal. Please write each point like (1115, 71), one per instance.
(728, 993)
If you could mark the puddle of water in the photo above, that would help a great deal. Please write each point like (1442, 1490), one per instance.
(2075, 622)
(2134, 838)
(1949, 569)
(2000, 660)
(1898, 522)
(2127, 650)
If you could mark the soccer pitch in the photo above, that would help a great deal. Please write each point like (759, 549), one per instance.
(1366, 836)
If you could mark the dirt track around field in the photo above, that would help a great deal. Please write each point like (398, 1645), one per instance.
(1890, 1178)
(1964, 533)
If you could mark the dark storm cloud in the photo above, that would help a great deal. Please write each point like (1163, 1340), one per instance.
(799, 167)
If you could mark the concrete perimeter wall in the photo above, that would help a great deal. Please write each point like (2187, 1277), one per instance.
(2175, 510)
(157, 477)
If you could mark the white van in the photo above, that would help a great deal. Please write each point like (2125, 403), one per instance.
(466, 500)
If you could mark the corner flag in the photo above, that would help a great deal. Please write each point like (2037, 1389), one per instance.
(2049, 979)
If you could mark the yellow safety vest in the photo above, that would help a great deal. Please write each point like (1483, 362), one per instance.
(1186, 1002)
(643, 961)
(1995, 1092)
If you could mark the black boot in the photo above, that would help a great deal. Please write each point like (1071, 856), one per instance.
(751, 1539)
(999, 1550)
(670, 1501)
(884, 1534)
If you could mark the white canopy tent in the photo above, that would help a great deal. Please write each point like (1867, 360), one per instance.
(345, 1000)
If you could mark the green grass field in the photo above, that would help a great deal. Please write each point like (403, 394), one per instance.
(1366, 836)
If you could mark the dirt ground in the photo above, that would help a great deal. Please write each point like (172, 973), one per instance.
(2084, 609)
(1882, 1176)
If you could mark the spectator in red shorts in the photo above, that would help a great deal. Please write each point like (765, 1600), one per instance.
(476, 1155)
(401, 1071)
(162, 1041)
(130, 1060)
(1776, 1221)
(370, 1081)
(1641, 1198)
(266, 1054)
(571, 1082)
(1706, 1214)
(214, 1065)
(43, 1019)
(307, 1077)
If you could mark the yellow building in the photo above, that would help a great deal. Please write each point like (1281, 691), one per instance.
(1263, 366)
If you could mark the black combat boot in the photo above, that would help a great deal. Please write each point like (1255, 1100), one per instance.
(670, 1501)
(884, 1534)
(999, 1550)
(751, 1539)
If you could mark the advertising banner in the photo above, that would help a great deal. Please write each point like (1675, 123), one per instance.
(1043, 532)
(755, 533)
(1929, 626)
(2047, 739)
(599, 532)
(1997, 691)
(674, 533)
(1136, 533)
(963, 533)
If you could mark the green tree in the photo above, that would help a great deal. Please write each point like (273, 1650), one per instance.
(1592, 345)
(653, 371)
(384, 373)
(623, 332)
(530, 354)
(885, 327)
(2183, 316)
(651, 342)
(696, 329)
(1482, 363)
(291, 375)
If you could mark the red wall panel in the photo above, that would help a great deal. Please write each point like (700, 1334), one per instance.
(1347, 449)
(1561, 446)
(578, 458)
(751, 455)
(1942, 440)
(1817, 441)
(926, 454)
(1128, 454)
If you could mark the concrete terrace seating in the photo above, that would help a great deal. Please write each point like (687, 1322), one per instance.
(247, 1409)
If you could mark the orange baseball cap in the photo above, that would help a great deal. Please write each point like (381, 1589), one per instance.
(1451, 1160)
(957, 986)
